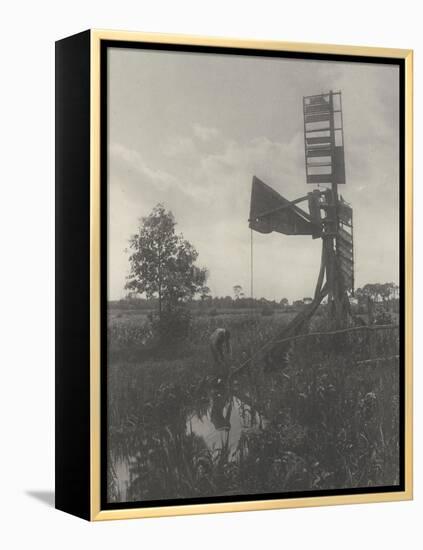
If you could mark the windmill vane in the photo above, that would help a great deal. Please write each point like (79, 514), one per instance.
(328, 216)
(324, 139)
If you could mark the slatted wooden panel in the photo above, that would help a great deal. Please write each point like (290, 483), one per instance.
(323, 138)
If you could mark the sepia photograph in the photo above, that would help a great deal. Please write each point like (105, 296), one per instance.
(254, 276)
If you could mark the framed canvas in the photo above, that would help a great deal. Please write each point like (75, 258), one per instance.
(233, 275)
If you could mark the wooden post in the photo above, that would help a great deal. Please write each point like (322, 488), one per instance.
(338, 295)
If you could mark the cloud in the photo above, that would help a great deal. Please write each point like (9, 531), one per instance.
(205, 133)
(180, 146)
(208, 191)
(196, 148)
(133, 161)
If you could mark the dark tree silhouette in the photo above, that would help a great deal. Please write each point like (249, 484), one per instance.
(162, 263)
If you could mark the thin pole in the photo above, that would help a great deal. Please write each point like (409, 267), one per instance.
(251, 265)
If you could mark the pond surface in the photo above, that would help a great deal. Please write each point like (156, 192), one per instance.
(220, 426)
(223, 427)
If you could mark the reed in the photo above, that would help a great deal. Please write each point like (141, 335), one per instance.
(327, 418)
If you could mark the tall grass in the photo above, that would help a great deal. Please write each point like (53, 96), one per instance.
(332, 417)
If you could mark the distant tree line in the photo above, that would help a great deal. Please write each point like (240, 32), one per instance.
(383, 295)
(203, 302)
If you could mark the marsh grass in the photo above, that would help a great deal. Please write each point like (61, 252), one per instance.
(331, 415)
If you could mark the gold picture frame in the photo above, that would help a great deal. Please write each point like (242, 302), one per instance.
(87, 503)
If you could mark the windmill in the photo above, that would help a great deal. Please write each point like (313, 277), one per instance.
(328, 216)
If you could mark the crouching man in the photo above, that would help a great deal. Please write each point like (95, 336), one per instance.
(220, 346)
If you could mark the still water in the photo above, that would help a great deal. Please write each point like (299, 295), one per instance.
(221, 427)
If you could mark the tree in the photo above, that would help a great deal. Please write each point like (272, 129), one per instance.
(162, 263)
(284, 302)
(388, 292)
(205, 295)
(238, 292)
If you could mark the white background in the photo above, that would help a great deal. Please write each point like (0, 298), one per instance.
(28, 32)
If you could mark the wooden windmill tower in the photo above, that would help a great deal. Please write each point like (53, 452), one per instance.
(328, 218)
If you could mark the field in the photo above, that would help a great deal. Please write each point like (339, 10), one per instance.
(327, 417)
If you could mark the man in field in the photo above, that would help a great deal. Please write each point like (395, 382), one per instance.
(220, 346)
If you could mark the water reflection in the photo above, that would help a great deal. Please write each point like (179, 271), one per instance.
(123, 476)
(223, 414)
(224, 422)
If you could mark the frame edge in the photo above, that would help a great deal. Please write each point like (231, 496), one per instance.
(96, 514)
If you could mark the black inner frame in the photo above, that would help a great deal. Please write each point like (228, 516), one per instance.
(105, 44)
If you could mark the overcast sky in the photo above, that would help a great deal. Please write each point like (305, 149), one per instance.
(190, 131)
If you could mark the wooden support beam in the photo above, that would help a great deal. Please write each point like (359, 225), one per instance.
(287, 205)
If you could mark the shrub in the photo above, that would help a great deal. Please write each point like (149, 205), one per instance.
(172, 328)
(267, 311)
(383, 318)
